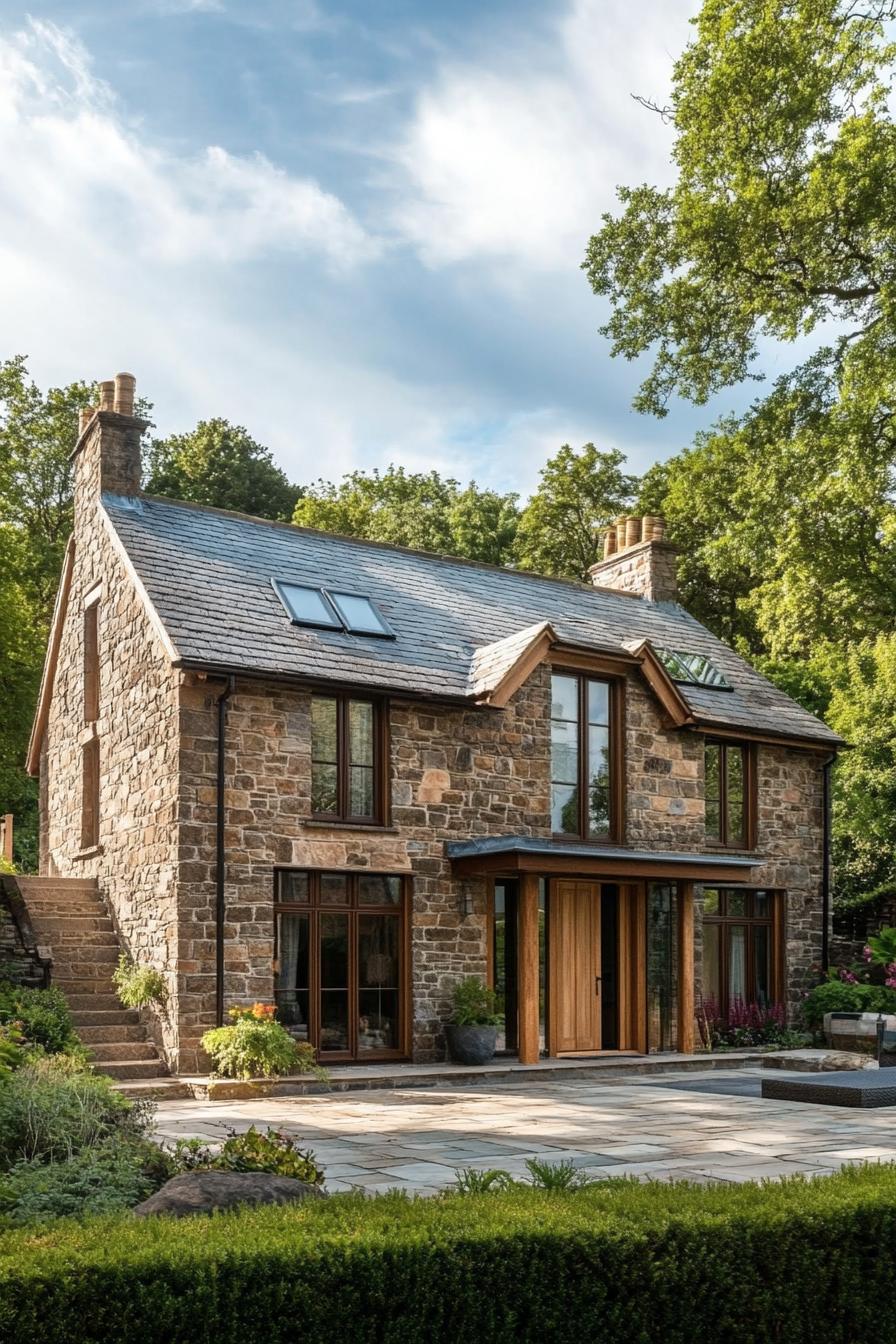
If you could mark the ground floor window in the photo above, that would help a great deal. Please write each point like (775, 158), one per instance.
(741, 957)
(341, 961)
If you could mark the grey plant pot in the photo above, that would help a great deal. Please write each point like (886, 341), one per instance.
(470, 1044)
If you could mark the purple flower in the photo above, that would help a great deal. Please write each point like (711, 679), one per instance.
(867, 953)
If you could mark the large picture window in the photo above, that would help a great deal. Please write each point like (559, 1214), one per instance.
(739, 948)
(729, 795)
(346, 759)
(341, 961)
(584, 751)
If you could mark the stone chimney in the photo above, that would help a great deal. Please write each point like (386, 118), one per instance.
(638, 560)
(107, 454)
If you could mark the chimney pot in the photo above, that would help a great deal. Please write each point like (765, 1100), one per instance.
(107, 395)
(620, 534)
(632, 531)
(85, 415)
(125, 385)
(609, 542)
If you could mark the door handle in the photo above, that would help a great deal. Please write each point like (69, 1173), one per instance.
(597, 984)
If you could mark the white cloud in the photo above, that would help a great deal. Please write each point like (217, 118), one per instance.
(514, 158)
(67, 154)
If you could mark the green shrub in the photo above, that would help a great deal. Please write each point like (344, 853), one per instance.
(475, 1005)
(794, 1261)
(42, 1016)
(838, 996)
(257, 1046)
(274, 1151)
(11, 1051)
(472, 1181)
(51, 1108)
(111, 1176)
(138, 986)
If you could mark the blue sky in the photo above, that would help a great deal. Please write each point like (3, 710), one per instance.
(355, 228)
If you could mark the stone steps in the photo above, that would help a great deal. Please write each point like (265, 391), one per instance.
(123, 1051)
(162, 1089)
(112, 1032)
(70, 919)
(130, 1069)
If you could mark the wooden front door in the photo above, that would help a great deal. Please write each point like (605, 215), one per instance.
(575, 964)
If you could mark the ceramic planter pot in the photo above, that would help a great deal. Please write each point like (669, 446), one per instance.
(470, 1044)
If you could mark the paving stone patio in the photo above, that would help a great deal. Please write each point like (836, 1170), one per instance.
(680, 1127)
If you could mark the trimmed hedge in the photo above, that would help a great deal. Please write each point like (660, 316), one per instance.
(797, 1261)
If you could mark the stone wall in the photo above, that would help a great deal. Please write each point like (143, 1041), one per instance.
(135, 861)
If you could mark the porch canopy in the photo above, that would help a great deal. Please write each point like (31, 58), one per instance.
(529, 854)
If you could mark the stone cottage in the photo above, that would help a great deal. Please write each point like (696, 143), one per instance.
(339, 775)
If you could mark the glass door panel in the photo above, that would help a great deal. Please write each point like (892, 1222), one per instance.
(334, 983)
(293, 978)
(737, 963)
(378, 982)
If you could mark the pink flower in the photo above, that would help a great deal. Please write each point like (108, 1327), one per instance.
(867, 953)
(847, 976)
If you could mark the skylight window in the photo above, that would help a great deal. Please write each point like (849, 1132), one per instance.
(319, 608)
(693, 669)
(359, 615)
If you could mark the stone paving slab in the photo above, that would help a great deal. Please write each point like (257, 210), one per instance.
(418, 1139)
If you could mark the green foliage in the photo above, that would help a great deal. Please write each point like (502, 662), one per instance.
(471, 1181)
(556, 1175)
(105, 1178)
(275, 1152)
(51, 1109)
(883, 947)
(12, 1055)
(418, 509)
(42, 1016)
(258, 1048)
(618, 1260)
(838, 996)
(138, 986)
(863, 709)
(474, 1004)
(578, 494)
(220, 464)
(782, 214)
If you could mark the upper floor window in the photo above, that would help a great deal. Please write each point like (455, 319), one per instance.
(346, 759)
(729, 795)
(583, 756)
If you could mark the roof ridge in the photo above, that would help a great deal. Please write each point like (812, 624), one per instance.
(579, 585)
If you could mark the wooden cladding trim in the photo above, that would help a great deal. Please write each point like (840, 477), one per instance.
(527, 970)
(520, 672)
(686, 968)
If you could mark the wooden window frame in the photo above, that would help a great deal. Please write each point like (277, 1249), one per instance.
(352, 907)
(91, 661)
(616, 689)
(773, 922)
(342, 814)
(747, 751)
(90, 793)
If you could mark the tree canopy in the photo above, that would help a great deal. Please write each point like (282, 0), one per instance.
(220, 464)
(423, 510)
(578, 494)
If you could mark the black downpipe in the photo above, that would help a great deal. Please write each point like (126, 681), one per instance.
(826, 863)
(219, 857)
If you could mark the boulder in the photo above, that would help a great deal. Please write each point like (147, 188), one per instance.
(208, 1191)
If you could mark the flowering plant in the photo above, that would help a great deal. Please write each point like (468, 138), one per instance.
(259, 1012)
(881, 951)
(746, 1024)
(258, 1046)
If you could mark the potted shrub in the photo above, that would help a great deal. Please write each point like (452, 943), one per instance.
(472, 1029)
(258, 1046)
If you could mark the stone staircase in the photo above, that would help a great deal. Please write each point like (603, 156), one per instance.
(70, 920)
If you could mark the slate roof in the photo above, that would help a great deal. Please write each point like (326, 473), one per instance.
(208, 574)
